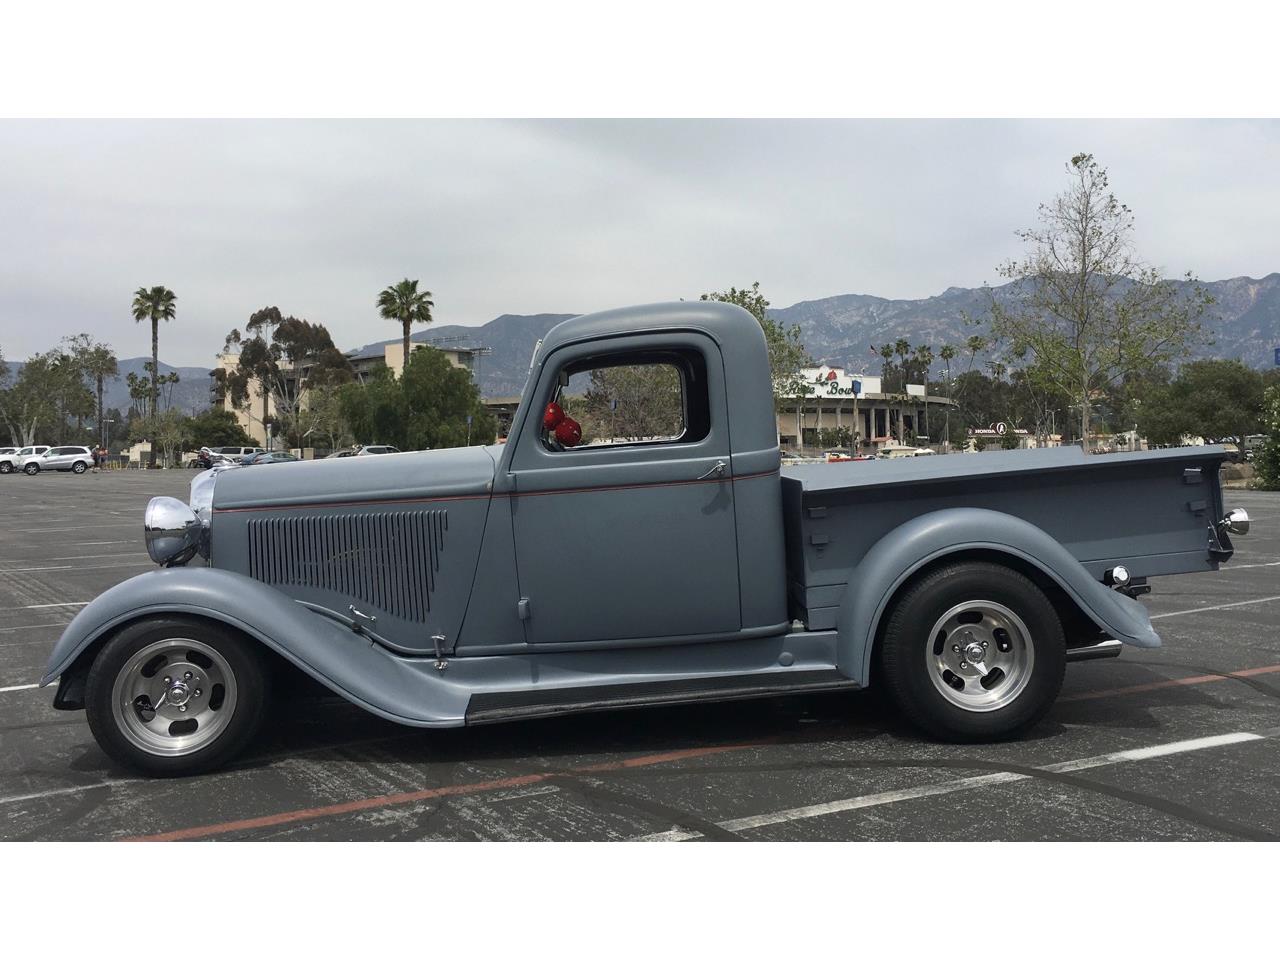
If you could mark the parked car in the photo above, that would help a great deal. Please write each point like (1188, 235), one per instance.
(274, 456)
(375, 450)
(235, 453)
(11, 462)
(541, 577)
(895, 452)
(75, 459)
(339, 454)
(1232, 452)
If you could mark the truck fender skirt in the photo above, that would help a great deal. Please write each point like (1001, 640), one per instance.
(924, 539)
(396, 688)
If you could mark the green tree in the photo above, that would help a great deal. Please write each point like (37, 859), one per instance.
(405, 304)
(375, 410)
(154, 304)
(1084, 312)
(1267, 462)
(440, 398)
(170, 431)
(217, 427)
(282, 359)
(787, 355)
(1208, 398)
(322, 419)
(633, 402)
(99, 364)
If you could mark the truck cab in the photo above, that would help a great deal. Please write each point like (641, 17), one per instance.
(673, 538)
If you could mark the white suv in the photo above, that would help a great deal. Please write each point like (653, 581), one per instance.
(75, 459)
(10, 462)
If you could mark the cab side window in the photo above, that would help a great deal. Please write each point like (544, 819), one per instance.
(628, 399)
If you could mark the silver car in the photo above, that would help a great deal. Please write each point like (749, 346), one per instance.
(75, 459)
(9, 462)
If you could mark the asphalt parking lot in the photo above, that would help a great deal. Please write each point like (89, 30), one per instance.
(1176, 743)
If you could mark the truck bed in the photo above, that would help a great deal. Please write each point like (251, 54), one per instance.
(1149, 511)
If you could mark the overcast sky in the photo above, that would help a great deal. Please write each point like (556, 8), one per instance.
(528, 216)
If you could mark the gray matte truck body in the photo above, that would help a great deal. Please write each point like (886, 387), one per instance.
(488, 583)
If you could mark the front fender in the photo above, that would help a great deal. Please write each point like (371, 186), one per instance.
(397, 688)
(904, 550)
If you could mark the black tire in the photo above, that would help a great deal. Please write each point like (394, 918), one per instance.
(907, 652)
(6, 466)
(31, 469)
(251, 679)
(79, 467)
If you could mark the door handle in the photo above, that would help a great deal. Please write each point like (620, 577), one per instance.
(716, 471)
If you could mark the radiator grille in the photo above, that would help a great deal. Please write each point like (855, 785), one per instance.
(390, 560)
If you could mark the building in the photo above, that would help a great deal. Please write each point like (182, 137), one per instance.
(836, 400)
(365, 362)
(389, 354)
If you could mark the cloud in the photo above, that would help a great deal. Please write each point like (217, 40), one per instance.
(531, 216)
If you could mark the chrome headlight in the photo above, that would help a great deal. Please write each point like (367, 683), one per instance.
(173, 531)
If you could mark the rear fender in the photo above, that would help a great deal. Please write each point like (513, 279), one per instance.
(397, 688)
(924, 539)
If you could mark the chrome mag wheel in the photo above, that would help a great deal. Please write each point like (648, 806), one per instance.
(173, 697)
(980, 655)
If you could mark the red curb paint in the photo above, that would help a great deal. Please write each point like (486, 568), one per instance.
(431, 793)
(1166, 684)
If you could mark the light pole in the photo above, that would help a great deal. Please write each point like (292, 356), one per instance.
(104, 432)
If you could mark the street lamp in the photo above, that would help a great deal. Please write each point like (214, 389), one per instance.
(104, 432)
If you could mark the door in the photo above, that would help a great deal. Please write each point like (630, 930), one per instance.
(627, 535)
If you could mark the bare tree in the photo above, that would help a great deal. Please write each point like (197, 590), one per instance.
(1085, 312)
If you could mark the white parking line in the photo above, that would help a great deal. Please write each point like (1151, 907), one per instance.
(69, 566)
(25, 686)
(42, 606)
(1220, 606)
(33, 626)
(83, 556)
(966, 783)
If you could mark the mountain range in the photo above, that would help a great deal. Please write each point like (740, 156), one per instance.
(1244, 323)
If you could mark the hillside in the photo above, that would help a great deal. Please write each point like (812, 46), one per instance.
(1245, 324)
(840, 330)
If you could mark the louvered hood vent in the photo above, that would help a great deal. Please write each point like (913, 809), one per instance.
(390, 560)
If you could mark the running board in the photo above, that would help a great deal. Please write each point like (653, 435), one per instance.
(1099, 651)
(525, 704)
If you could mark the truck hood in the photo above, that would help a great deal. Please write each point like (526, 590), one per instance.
(428, 474)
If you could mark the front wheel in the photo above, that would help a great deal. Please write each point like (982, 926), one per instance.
(31, 469)
(172, 696)
(6, 466)
(973, 651)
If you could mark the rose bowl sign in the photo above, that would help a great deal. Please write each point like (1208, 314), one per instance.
(827, 381)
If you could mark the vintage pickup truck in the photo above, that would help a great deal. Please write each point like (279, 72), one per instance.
(553, 574)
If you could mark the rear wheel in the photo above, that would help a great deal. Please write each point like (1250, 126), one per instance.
(6, 466)
(973, 651)
(31, 469)
(173, 696)
(79, 467)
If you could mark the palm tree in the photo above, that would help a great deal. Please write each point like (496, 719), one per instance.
(100, 363)
(902, 349)
(155, 304)
(948, 353)
(923, 360)
(403, 302)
